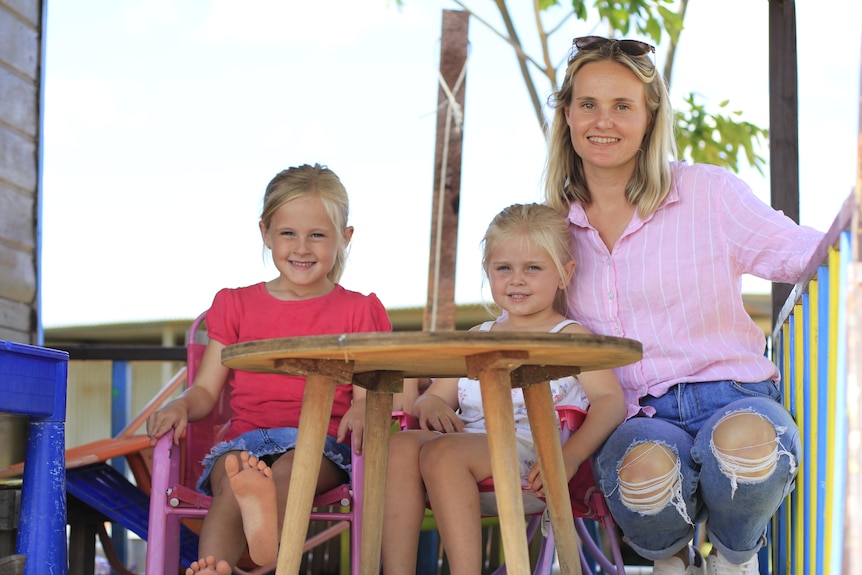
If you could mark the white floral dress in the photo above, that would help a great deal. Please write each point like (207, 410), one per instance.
(565, 391)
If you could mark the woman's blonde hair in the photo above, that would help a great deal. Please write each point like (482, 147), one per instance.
(543, 226)
(303, 181)
(564, 173)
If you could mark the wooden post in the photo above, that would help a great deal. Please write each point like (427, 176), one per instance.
(783, 122)
(440, 307)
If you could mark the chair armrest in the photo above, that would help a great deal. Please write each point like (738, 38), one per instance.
(405, 420)
(571, 417)
(166, 464)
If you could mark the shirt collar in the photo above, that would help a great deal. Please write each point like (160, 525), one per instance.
(578, 216)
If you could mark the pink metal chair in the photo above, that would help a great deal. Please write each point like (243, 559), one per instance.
(591, 513)
(176, 507)
(589, 509)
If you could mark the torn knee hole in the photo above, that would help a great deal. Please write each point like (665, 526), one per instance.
(744, 430)
(747, 469)
(650, 496)
(747, 450)
(659, 489)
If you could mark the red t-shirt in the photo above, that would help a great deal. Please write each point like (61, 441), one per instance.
(262, 400)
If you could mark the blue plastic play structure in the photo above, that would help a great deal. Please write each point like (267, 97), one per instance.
(33, 383)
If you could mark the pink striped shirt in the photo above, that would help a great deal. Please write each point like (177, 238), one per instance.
(673, 281)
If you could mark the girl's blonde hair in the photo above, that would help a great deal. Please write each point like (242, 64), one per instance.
(564, 173)
(304, 181)
(543, 226)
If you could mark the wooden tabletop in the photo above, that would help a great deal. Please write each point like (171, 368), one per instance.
(379, 362)
(434, 354)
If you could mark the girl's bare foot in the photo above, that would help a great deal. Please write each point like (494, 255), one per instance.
(252, 483)
(208, 566)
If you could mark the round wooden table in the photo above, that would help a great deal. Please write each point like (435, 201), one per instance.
(379, 362)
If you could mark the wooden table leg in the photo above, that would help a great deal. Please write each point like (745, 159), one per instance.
(500, 419)
(546, 437)
(379, 386)
(317, 403)
(375, 448)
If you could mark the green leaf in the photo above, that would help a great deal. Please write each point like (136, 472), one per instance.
(717, 139)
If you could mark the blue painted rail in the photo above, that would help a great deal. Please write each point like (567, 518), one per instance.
(815, 344)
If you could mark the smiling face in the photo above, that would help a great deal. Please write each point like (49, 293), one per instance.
(607, 118)
(524, 279)
(304, 244)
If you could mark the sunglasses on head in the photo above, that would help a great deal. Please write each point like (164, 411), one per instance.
(631, 47)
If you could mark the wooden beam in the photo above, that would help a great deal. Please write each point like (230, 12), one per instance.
(783, 122)
(440, 307)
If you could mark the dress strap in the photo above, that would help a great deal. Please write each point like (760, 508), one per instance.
(486, 326)
(559, 327)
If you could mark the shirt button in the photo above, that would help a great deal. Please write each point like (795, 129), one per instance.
(610, 295)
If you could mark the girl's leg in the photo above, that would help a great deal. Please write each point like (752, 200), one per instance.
(252, 483)
(404, 507)
(222, 538)
(451, 466)
(749, 453)
(330, 476)
(649, 479)
(208, 566)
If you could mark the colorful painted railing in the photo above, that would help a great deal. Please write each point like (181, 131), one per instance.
(816, 344)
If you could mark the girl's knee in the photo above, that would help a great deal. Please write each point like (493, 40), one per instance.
(405, 446)
(433, 454)
(401, 443)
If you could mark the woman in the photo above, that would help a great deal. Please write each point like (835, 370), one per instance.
(661, 247)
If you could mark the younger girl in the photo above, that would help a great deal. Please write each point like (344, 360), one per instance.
(304, 224)
(528, 262)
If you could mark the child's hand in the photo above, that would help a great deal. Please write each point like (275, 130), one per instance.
(353, 422)
(534, 478)
(173, 415)
(434, 415)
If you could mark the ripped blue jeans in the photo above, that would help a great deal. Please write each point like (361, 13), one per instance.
(737, 511)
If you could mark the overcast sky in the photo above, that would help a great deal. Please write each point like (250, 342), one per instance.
(165, 119)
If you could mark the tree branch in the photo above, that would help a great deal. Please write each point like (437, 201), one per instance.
(671, 50)
(522, 63)
(513, 40)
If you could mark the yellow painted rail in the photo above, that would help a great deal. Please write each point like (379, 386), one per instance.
(816, 345)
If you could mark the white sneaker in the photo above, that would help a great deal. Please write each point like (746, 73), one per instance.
(718, 565)
(674, 566)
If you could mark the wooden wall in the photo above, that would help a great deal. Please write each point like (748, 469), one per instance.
(21, 56)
